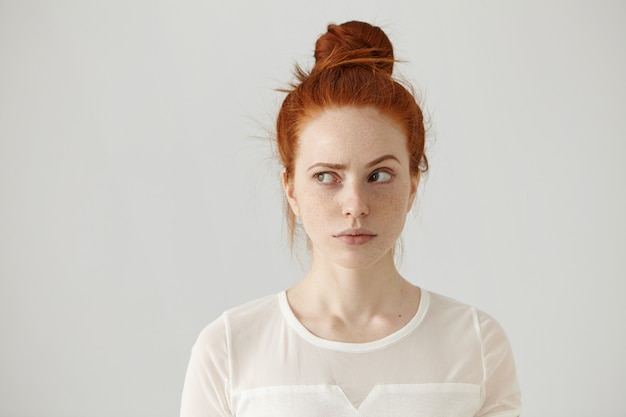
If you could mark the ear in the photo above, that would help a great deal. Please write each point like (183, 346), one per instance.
(290, 192)
(415, 180)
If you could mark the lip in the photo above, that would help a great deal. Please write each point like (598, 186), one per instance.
(355, 236)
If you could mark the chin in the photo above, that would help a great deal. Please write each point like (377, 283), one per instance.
(361, 260)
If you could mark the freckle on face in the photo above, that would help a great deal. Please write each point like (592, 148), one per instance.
(352, 137)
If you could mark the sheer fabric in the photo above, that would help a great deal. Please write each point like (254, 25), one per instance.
(258, 360)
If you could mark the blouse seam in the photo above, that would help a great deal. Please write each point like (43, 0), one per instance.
(479, 334)
(227, 330)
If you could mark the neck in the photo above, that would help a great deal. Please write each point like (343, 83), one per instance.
(353, 295)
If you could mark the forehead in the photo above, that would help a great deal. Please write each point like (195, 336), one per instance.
(341, 133)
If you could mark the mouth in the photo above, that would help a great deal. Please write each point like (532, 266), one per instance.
(355, 236)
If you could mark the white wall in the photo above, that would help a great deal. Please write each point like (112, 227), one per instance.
(139, 196)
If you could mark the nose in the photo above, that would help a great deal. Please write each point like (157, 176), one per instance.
(354, 202)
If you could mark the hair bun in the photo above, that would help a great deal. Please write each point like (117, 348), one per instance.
(354, 43)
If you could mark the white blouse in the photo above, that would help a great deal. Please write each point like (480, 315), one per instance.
(258, 360)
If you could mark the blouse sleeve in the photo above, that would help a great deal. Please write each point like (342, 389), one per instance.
(206, 390)
(501, 392)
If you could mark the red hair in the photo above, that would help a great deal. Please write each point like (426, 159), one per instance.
(353, 67)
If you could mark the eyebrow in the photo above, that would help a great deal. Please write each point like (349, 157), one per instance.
(343, 166)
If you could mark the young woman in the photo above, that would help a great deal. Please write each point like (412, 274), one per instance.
(353, 338)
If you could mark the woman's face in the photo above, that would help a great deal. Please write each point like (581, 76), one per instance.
(352, 186)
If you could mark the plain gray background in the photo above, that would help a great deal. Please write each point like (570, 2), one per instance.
(140, 196)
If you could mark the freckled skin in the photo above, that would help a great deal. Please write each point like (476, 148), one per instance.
(351, 193)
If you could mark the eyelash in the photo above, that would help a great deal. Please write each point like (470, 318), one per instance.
(317, 176)
(382, 171)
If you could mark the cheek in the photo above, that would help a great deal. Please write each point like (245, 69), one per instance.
(392, 201)
(315, 222)
(314, 205)
(392, 212)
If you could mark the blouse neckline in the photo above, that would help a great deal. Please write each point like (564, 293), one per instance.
(379, 344)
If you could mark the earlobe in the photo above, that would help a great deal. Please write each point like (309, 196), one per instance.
(290, 192)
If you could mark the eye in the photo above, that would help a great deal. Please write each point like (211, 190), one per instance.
(380, 176)
(325, 177)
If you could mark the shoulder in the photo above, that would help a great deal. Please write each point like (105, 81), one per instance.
(444, 304)
(449, 310)
(217, 351)
(442, 301)
(252, 310)
(442, 308)
(477, 331)
(237, 320)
